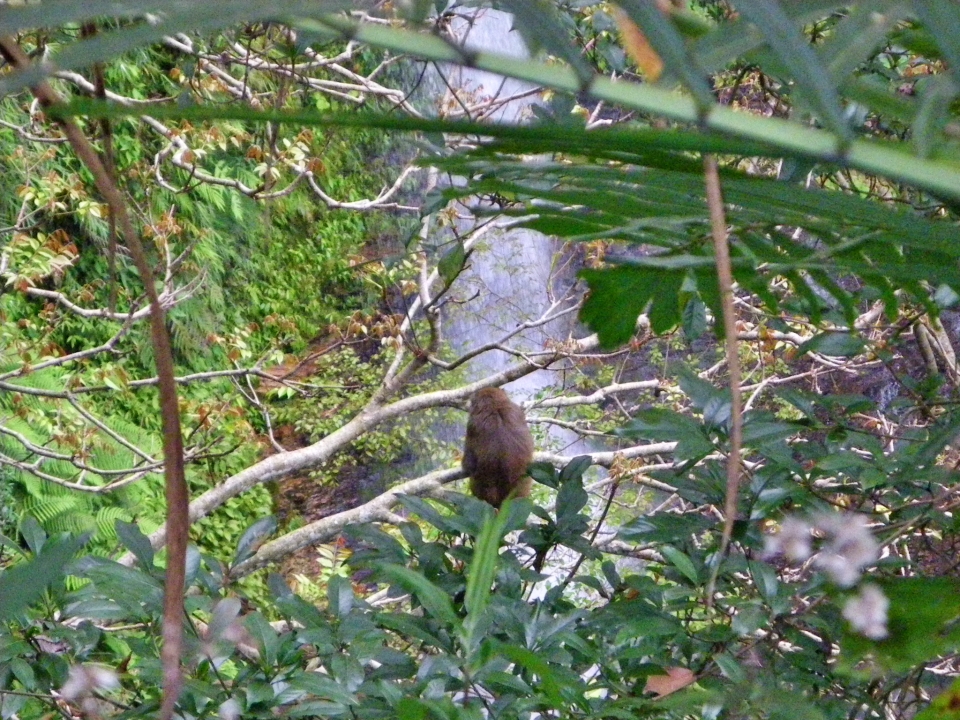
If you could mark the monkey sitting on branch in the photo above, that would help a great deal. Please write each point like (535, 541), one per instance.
(498, 447)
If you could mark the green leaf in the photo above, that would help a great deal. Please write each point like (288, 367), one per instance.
(663, 36)
(24, 583)
(483, 568)
(838, 344)
(682, 562)
(539, 22)
(666, 425)
(546, 677)
(443, 523)
(922, 624)
(945, 706)
(264, 635)
(786, 40)
(575, 469)
(323, 686)
(730, 667)
(942, 21)
(434, 600)
(694, 322)
(619, 295)
(253, 536)
(545, 474)
(136, 542)
(33, 534)
(452, 263)
(571, 499)
(340, 596)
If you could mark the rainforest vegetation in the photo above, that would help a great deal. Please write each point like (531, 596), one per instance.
(257, 257)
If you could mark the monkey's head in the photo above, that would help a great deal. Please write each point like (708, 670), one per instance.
(488, 397)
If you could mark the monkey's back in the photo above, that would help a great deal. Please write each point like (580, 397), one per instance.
(498, 447)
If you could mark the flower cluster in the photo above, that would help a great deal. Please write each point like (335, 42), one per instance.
(867, 612)
(83, 681)
(847, 548)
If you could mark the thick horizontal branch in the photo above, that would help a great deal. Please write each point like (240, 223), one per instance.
(380, 508)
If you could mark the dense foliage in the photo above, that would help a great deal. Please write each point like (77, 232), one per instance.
(270, 213)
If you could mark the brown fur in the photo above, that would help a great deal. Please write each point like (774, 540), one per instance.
(498, 447)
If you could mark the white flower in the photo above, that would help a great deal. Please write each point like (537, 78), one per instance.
(838, 568)
(849, 548)
(229, 710)
(82, 680)
(793, 540)
(867, 612)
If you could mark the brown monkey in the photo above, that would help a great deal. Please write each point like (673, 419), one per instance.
(498, 447)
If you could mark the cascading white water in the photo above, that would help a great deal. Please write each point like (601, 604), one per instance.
(510, 278)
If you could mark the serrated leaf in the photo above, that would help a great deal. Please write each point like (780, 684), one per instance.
(619, 295)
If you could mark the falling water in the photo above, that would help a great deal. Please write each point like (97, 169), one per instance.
(510, 278)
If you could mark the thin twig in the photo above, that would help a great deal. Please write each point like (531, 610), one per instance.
(718, 227)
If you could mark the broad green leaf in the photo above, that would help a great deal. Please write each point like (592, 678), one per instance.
(666, 425)
(730, 667)
(253, 537)
(619, 295)
(24, 583)
(452, 263)
(340, 596)
(434, 600)
(681, 561)
(546, 678)
(136, 542)
(922, 624)
(838, 344)
(575, 469)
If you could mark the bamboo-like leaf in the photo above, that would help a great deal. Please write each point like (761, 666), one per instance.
(859, 34)
(786, 41)
(14, 18)
(735, 38)
(483, 568)
(663, 36)
(540, 25)
(941, 18)
(936, 96)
